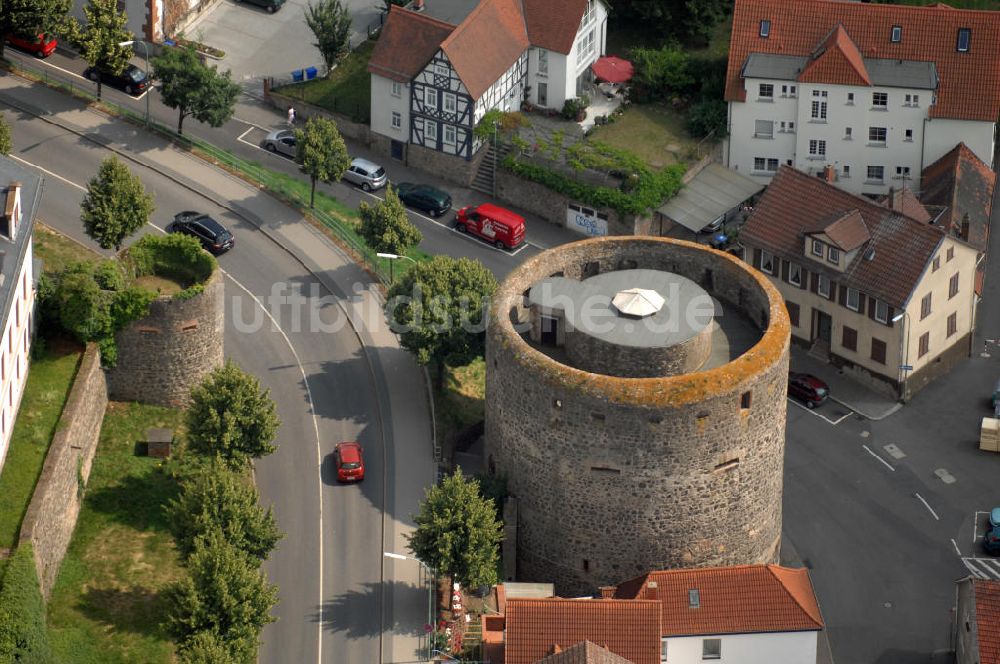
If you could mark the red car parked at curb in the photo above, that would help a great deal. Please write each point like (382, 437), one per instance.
(350, 464)
(40, 45)
(807, 388)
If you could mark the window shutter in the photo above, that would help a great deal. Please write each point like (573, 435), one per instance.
(814, 282)
(804, 276)
(756, 258)
(892, 312)
(862, 302)
(784, 270)
(842, 295)
(871, 308)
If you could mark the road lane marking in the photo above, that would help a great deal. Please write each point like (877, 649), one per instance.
(945, 476)
(894, 451)
(982, 568)
(305, 381)
(954, 544)
(884, 462)
(812, 411)
(975, 525)
(929, 508)
(252, 124)
(240, 137)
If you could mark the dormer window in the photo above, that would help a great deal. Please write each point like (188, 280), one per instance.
(964, 39)
(896, 35)
(817, 248)
(765, 29)
(833, 255)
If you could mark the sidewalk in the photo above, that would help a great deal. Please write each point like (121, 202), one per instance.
(844, 390)
(397, 376)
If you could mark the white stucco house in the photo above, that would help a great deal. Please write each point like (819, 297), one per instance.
(878, 92)
(20, 191)
(752, 614)
(432, 81)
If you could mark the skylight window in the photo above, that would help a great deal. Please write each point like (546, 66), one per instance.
(897, 34)
(964, 37)
(765, 28)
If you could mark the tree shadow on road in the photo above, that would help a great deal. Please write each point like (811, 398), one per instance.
(356, 612)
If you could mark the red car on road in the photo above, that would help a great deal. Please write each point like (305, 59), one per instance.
(350, 464)
(40, 45)
(807, 388)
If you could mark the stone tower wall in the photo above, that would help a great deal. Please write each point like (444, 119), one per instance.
(162, 356)
(618, 476)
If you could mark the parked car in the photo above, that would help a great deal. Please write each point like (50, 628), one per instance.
(807, 388)
(270, 5)
(991, 538)
(132, 80)
(350, 464)
(366, 174)
(493, 223)
(215, 237)
(40, 45)
(282, 140)
(424, 197)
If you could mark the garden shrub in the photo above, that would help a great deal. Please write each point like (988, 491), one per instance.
(175, 256)
(707, 116)
(23, 637)
(660, 73)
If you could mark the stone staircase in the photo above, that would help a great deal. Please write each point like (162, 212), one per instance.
(486, 175)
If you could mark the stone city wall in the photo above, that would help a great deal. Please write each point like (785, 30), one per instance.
(48, 524)
(618, 476)
(454, 169)
(162, 356)
(357, 131)
(595, 355)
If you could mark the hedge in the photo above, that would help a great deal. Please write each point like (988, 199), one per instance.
(175, 256)
(23, 637)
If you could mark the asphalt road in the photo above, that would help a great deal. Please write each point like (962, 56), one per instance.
(297, 479)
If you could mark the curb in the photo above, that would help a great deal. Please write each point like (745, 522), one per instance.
(874, 418)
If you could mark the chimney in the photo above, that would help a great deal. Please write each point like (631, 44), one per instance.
(829, 173)
(651, 590)
(11, 211)
(607, 592)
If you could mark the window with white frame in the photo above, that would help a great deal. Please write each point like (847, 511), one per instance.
(787, 90)
(772, 165)
(397, 88)
(663, 650)
(833, 255)
(767, 262)
(791, 127)
(845, 171)
(588, 14)
(876, 173)
(880, 100)
(896, 35)
(964, 38)
(430, 130)
(881, 311)
(848, 131)
(586, 45)
(711, 648)
(908, 135)
(763, 129)
(765, 164)
(766, 91)
(912, 100)
(850, 99)
(818, 111)
(817, 148)
(765, 28)
(543, 62)
(877, 135)
(795, 274)
(397, 120)
(449, 134)
(431, 98)
(823, 286)
(902, 172)
(817, 248)
(821, 93)
(450, 102)
(441, 70)
(853, 299)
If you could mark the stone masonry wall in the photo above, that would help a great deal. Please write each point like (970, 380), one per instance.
(454, 169)
(348, 128)
(595, 355)
(164, 355)
(618, 476)
(48, 524)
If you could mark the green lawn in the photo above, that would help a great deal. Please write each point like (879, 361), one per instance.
(108, 604)
(49, 380)
(55, 250)
(654, 132)
(346, 90)
(460, 403)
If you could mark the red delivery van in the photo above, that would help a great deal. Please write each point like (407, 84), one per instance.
(498, 225)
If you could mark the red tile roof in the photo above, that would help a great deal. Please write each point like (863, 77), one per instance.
(745, 599)
(795, 203)
(838, 60)
(962, 184)
(628, 628)
(553, 25)
(905, 201)
(929, 33)
(407, 43)
(584, 652)
(846, 230)
(988, 619)
(487, 43)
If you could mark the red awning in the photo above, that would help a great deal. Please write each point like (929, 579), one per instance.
(612, 69)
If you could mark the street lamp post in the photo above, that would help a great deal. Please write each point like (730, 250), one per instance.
(392, 258)
(430, 589)
(904, 351)
(145, 53)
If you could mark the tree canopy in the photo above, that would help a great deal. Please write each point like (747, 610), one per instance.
(5, 139)
(687, 19)
(28, 17)
(330, 22)
(230, 416)
(321, 153)
(99, 38)
(194, 88)
(116, 205)
(457, 532)
(23, 636)
(386, 227)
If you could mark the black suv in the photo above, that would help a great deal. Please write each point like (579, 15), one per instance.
(213, 235)
(132, 80)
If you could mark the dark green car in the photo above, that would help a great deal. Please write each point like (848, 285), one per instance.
(424, 197)
(270, 5)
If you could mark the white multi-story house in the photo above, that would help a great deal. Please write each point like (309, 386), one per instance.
(19, 194)
(432, 81)
(878, 92)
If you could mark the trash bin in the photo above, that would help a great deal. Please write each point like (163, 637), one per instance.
(297, 75)
(311, 73)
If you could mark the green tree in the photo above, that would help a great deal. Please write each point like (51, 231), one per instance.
(206, 648)
(116, 205)
(661, 72)
(29, 17)
(439, 309)
(100, 37)
(215, 497)
(224, 594)
(330, 22)
(321, 153)
(457, 532)
(23, 637)
(386, 227)
(231, 416)
(5, 141)
(707, 116)
(193, 88)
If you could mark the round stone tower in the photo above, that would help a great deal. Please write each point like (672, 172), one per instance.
(635, 402)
